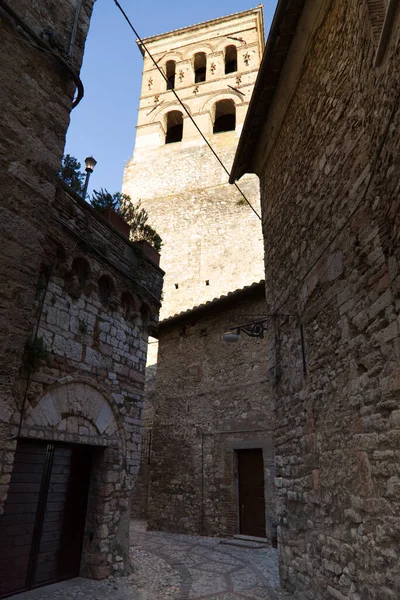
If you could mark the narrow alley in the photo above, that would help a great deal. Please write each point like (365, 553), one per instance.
(181, 567)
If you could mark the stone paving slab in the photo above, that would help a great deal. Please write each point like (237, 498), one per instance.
(167, 566)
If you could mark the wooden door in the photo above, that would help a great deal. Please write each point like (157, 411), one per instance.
(251, 492)
(41, 530)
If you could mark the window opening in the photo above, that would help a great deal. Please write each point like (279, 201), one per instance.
(230, 59)
(174, 127)
(171, 70)
(106, 290)
(200, 67)
(225, 116)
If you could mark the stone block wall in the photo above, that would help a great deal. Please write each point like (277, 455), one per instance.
(97, 299)
(212, 243)
(35, 96)
(208, 234)
(332, 175)
(211, 399)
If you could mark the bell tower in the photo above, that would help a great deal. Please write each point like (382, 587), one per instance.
(212, 239)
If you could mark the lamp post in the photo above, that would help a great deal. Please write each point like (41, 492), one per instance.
(90, 163)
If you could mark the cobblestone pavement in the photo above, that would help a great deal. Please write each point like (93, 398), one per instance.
(183, 567)
(179, 567)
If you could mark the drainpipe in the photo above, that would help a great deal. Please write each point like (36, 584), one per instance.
(74, 28)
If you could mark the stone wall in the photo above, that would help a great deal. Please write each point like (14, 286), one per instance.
(212, 399)
(35, 96)
(96, 301)
(332, 175)
(212, 243)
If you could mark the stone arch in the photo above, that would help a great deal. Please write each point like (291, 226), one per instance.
(206, 48)
(160, 114)
(220, 47)
(74, 411)
(175, 56)
(209, 104)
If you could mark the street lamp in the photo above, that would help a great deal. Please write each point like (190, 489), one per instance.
(90, 163)
(251, 329)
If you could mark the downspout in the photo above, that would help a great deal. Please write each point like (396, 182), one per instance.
(74, 29)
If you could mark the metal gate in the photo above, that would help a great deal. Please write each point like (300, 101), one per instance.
(42, 527)
(251, 492)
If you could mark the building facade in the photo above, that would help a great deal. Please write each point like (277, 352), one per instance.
(212, 242)
(72, 449)
(322, 133)
(40, 62)
(211, 459)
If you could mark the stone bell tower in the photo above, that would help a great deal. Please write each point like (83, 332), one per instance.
(212, 239)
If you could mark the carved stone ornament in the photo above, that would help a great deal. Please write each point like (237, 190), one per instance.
(156, 99)
(238, 79)
(181, 75)
(150, 83)
(213, 67)
(246, 58)
(196, 89)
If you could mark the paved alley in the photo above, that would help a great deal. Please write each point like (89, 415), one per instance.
(180, 567)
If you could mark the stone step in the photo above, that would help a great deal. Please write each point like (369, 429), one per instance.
(246, 542)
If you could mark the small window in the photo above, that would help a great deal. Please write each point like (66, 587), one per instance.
(127, 305)
(106, 290)
(200, 67)
(80, 268)
(171, 69)
(230, 59)
(174, 127)
(225, 116)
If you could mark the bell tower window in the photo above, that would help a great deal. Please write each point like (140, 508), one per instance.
(230, 59)
(225, 116)
(200, 66)
(171, 69)
(174, 127)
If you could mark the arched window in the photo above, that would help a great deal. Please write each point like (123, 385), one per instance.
(106, 289)
(127, 305)
(145, 314)
(171, 69)
(225, 116)
(80, 268)
(230, 59)
(174, 127)
(200, 67)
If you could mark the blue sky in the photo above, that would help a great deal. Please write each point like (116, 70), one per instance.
(104, 122)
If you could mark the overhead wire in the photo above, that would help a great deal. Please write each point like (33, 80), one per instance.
(183, 106)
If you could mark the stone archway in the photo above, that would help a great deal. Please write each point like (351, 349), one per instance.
(75, 411)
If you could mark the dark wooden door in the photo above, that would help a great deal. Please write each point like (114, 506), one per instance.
(41, 530)
(251, 492)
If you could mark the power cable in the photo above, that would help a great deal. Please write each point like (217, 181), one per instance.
(183, 106)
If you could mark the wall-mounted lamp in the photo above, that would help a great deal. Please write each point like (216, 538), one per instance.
(251, 329)
(90, 163)
(231, 337)
(257, 329)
